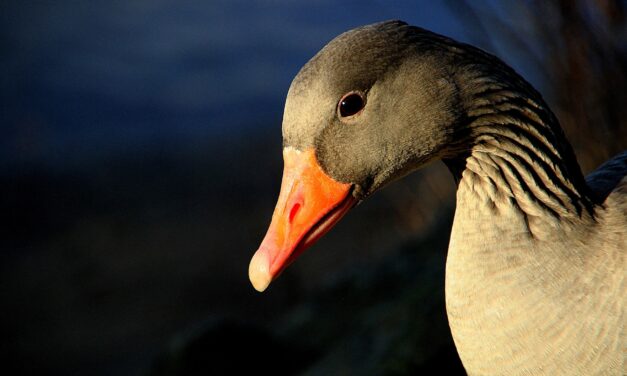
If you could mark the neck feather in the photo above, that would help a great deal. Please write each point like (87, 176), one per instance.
(512, 149)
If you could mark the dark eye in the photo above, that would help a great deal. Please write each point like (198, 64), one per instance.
(350, 104)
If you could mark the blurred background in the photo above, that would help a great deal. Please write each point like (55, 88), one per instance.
(140, 160)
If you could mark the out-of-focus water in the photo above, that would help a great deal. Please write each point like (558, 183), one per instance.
(87, 79)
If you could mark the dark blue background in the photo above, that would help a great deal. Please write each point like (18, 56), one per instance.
(91, 79)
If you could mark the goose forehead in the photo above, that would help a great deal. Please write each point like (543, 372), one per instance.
(354, 60)
(358, 55)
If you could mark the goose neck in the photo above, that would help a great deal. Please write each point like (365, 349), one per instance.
(514, 155)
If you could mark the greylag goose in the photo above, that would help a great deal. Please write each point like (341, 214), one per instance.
(535, 266)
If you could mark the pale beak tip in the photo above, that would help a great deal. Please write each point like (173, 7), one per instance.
(259, 271)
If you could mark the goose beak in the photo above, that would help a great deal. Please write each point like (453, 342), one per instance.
(309, 204)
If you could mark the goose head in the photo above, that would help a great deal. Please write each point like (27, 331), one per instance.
(374, 104)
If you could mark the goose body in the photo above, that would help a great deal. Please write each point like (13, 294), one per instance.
(535, 267)
(534, 295)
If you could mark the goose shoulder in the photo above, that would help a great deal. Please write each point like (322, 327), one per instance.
(608, 184)
(609, 179)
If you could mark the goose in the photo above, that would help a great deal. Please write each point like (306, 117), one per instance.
(535, 265)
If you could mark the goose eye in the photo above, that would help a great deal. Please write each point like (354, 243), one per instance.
(351, 103)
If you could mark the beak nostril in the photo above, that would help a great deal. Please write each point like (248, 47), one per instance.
(294, 211)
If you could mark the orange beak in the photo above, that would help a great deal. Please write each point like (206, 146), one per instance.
(309, 204)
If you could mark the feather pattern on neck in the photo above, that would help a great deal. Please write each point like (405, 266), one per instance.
(518, 153)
